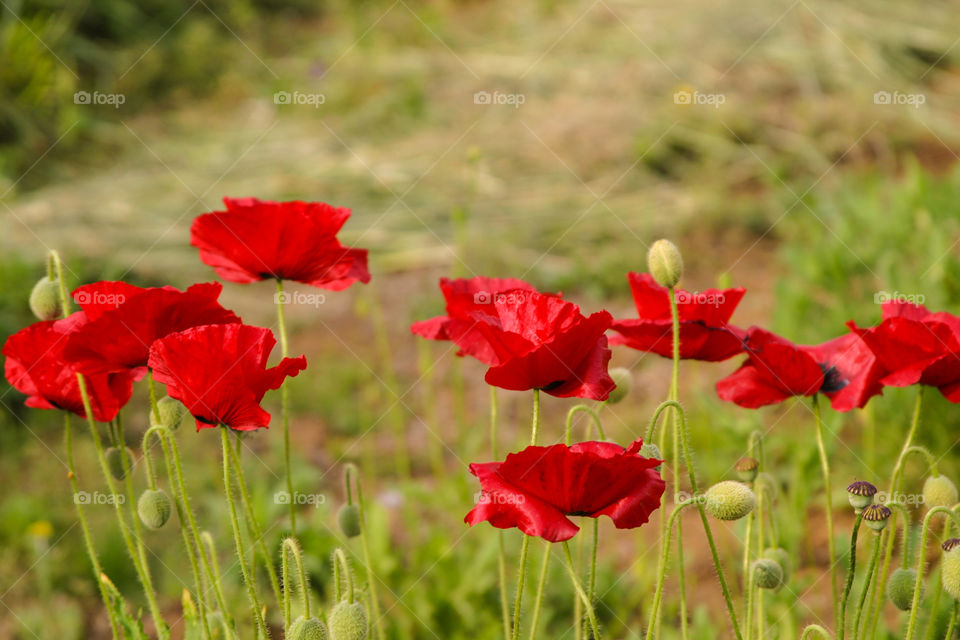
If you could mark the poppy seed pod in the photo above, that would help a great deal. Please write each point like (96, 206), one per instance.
(729, 500)
(939, 491)
(782, 558)
(154, 508)
(115, 461)
(900, 588)
(45, 299)
(860, 494)
(348, 621)
(171, 412)
(621, 378)
(349, 520)
(767, 573)
(876, 516)
(665, 263)
(747, 468)
(950, 568)
(306, 629)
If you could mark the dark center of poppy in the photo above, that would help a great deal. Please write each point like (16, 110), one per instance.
(579, 513)
(553, 385)
(832, 380)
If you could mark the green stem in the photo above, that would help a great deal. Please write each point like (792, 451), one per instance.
(809, 630)
(501, 546)
(751, 590)
(871, 569)
(831, 543)
(662, 570)
(341, 569)
(288, 548)
(212, 565)
(762, 507)
(591, 615)
(285, 408)
(367, 560)
(534, 430)
(952, 625)
(585, 409)
(248, 579)
(674, 395)
(851, 572)
(921, 563)
(541, 583)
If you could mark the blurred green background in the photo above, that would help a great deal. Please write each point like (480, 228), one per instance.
(805, 150)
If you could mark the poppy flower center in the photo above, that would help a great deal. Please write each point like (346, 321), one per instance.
(832, 379)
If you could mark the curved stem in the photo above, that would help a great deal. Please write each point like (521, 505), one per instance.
(871, 569)
(662, 571)
(591, 615)
(541, 583)
(851, 572)
(585, 409)
(921, 563)
(809, 630)
(341, 570)
(285, 407)
(831, 543)
(288, 548)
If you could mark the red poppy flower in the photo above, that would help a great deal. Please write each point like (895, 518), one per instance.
(705, 331)
(259, 239)
(844, 369)
(916, 347)
(219, 373)
(127, 319)
(537, 489)
(35, 366)
(465, 297)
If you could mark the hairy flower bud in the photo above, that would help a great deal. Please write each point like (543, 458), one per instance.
(45, 299)
(349, 520)
(782, 558)
(860, 494)
(767, 574)
(747, 468)
(901, 586)
(939, 491)
(115, 461)
(729, 500)
(950, 568)
(621, 378)
(348, 621)
(306, 629)
(154, 508)
(171, 412)
(665, 263)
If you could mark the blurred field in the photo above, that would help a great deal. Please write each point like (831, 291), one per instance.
(799, 186)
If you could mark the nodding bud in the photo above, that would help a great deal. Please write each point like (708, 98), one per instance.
(950, 568)
(154, 508)
(348, 621)
(120, 461)
(665, 263)
(767, 573)
(901, 586)
(650, 450)
(170, 411)
(782, 558)
(939, 491)
(747, 468)
(860, 494)
(349, 520)
(306, 629)
(45, 299)
(729, 500)
(623, 380)
(876, 516)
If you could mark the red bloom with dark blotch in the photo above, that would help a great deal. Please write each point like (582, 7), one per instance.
(540, 341)
(537, 489)
(35, 366)
(916, 347)
(705, 329)
(465, 297)
(219, 373)
(129, 319)
(843, 369)
(259, 239)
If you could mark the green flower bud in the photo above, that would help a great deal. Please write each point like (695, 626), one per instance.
(171, 411)
(154, 508)
(665, 263)
(900, 588)
(348, 621)
(939, 491)
(45, 299)
(767, 574)
(306, 629)
(950, 568)
(860, 494)
(729, 500)
(782, 558)
(115, 461)
(621, 377)
(747, 469)
(650, 450)
(876, 516)
(349, 520)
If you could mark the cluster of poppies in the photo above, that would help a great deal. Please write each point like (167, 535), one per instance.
(208, 359)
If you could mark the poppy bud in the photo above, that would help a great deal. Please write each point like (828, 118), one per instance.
(45, 299)
(950, 567)
(939, 491)
(665, 263)
(876, 516)
(729, 500)
(621, 378)
(115, 461)
(349, 520)
(747, 468)
(860, 494)
(348, 621)
(650, 450)
(782, 558)
(154, 508)
(306, 629)
(171, 413)
(767, 574)
(900, 588)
